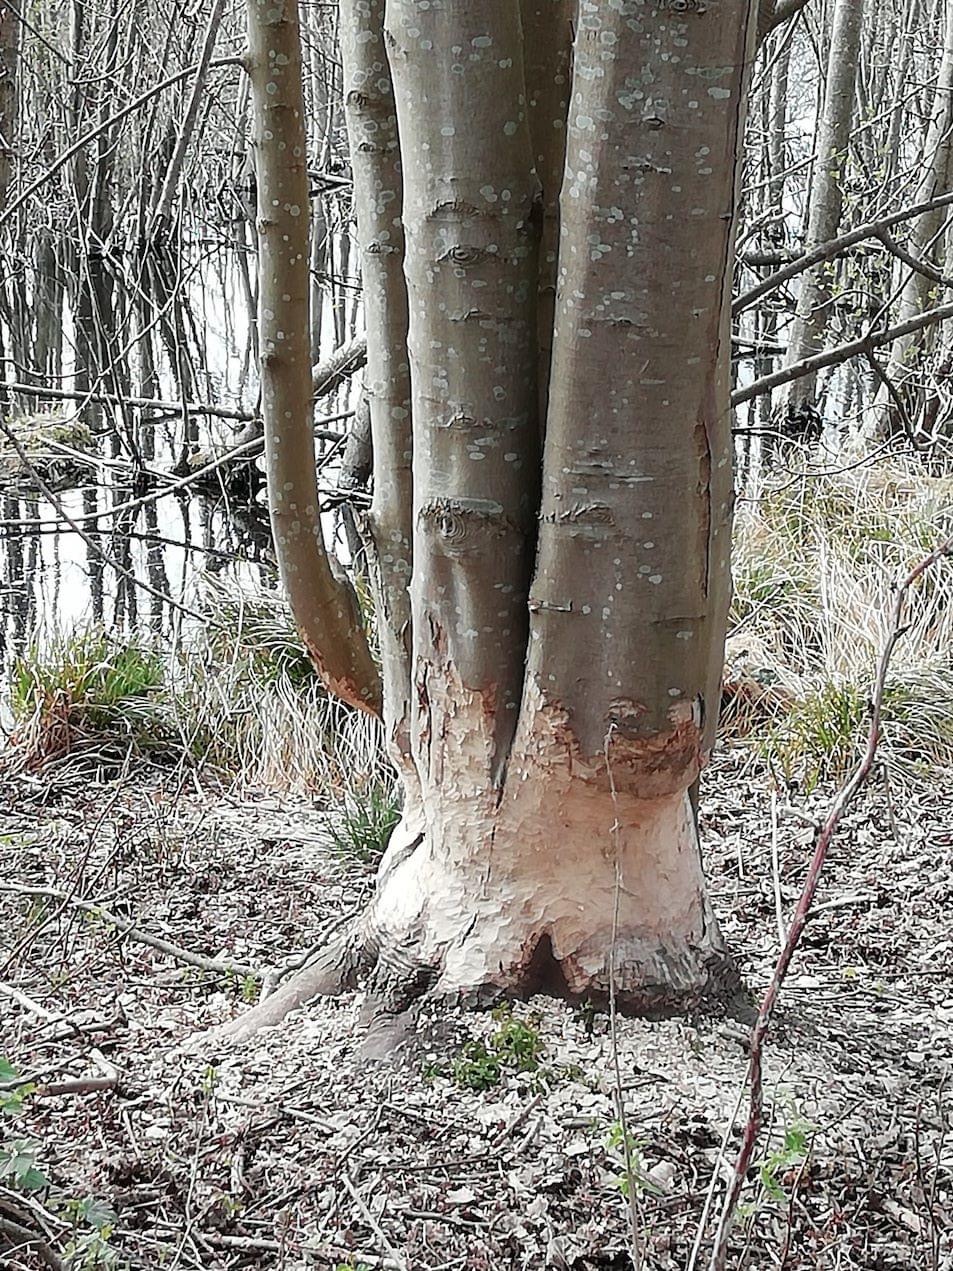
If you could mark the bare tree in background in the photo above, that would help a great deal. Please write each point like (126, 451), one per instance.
(806, 334)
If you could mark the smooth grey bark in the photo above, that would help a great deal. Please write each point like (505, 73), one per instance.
(635, 519)
(321, 53)
(324, 606)
(559, 720)
(905, 30)
(806, 334)
(765, 322)
(471, 214)
(9, 95)
(547, 57)
(577, 862)
(371, 118)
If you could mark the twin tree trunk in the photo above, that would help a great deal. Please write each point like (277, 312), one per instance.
(546, 241)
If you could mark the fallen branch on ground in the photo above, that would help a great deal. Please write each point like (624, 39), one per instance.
(22, 1239)
(803, 911)
(131, 929)
(29, 1005)
(254, 1244)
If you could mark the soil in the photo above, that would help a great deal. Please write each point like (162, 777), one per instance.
(155, 1143)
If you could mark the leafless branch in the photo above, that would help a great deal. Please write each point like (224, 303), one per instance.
(915, 263)
(339, 365)
(899, 405)
(246, 449)
(826, 251)
(87, 538)
(137, 403)
(21, 1238)
(825, 835)
(104, 126)
(841, 353)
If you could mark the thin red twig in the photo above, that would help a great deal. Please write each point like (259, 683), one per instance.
(801, 914)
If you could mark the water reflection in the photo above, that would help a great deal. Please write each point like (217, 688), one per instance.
(115, 510)
(52, 578)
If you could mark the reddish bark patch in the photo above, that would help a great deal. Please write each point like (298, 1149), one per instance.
(646, 765)
(346, 688)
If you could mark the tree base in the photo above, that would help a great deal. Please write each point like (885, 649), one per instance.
(622, 916)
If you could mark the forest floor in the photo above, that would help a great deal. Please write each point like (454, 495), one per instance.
(133, 1146)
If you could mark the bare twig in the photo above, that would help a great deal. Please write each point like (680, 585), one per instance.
(247, 448)
(329, 1252)
(76, 1085)
(88, 539)
(372, 1222)
(702, 1225)
(899, 405)
(219, 965)
(174, 169)
(328, 374)
(916, 263)
(105, 125)
(801, 914)
(776, 869)
(524, 1113)
(29, 1005)
(828, 250)
(23, 1239)
(842, 353)
(46, 391)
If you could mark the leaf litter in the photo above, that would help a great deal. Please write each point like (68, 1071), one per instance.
(153, 1145)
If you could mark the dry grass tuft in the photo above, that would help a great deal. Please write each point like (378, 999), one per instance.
(250, 704)
(815, 565)
(86, 690)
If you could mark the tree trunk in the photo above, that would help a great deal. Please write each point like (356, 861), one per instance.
(547, 45)
(9, 94)
(323, 604)
(375, 166)
(569, 856)
(827, 201)
(926, 242)
(568, 601)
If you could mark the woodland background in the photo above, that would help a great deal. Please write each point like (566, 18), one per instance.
(173, 764)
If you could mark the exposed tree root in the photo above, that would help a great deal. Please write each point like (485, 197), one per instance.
(336, 969)
(448, 926)
(398, 979)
